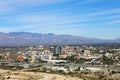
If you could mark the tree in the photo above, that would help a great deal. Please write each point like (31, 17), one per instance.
(1, 57)
(107, 60)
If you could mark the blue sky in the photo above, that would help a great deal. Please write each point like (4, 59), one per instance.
(89, 18)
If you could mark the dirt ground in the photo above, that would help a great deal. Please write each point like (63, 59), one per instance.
(19, 75)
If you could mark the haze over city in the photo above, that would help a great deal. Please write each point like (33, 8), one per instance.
(89, 18)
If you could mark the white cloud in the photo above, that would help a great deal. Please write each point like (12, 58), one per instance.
(114, 22)
(7, 29)
(88, 2)
(15, 5)
(33, 16)
(25, 3)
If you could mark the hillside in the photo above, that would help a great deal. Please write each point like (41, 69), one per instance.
(26, 39)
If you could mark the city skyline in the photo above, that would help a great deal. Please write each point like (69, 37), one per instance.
(89, 18)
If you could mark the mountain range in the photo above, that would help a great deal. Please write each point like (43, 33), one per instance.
(28, 39)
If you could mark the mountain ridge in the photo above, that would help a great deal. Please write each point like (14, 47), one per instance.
(28, 39)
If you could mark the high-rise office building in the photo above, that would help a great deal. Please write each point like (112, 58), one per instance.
(57, 50)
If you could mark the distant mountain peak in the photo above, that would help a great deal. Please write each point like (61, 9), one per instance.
(27, 38)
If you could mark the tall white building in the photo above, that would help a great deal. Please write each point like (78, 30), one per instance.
(33, 56)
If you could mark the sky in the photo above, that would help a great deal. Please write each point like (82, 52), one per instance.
(88, 18)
